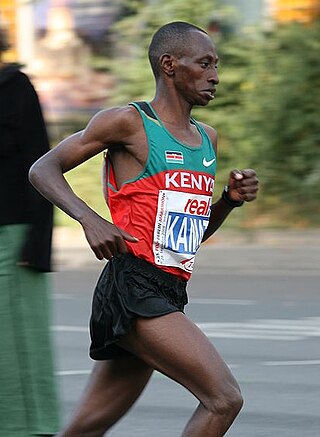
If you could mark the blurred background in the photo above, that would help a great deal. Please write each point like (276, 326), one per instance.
(83, 56)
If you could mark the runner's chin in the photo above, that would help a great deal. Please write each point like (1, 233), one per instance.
(206, 97)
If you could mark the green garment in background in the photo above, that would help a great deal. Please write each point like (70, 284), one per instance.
(28, 397)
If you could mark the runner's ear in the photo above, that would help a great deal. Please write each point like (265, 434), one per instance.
(167, 64)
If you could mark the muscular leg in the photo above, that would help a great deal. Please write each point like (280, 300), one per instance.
(173, 345)
(176, 347)
(113, 387)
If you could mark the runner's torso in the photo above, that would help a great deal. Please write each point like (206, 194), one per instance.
(167, 206)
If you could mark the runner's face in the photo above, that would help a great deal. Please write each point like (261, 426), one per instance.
(196, 73)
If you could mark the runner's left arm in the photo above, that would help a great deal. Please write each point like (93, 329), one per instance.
(242, 187)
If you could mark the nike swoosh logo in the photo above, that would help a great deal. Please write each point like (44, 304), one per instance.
(208, 163)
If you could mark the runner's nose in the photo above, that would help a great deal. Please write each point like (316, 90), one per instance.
(213, 76)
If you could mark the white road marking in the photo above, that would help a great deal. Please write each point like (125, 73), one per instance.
(292, 363)
(231, 366)
(73, 372)
(64, 328)
(265, 329)
(208, 301)
(61, 296)
(88, 372)
(260, 329)
(200, 300)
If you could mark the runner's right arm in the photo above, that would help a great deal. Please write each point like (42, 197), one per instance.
(109, 128)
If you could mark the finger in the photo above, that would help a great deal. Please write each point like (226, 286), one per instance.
(249, 197)
(247, 189)
(249, 182)
(121, 245)
(98, 253)
(236, 175)
(248, 173)
(247, 194)
(95, 248)
(235, 178)
(104, 250)
(107, 251)
(128, 237)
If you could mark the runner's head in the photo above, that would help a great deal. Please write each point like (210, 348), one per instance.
(184, 60)
(173, 38)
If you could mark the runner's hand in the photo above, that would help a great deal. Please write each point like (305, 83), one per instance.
(105, 239)
(243, 185)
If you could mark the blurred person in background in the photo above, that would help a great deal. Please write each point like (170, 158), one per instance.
(160, 172)
(28, 395)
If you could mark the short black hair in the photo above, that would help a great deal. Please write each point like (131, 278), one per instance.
(170, 38)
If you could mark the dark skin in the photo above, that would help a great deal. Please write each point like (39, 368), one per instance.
(183, 82)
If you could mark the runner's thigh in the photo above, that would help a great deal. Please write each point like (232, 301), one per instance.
(176, 347)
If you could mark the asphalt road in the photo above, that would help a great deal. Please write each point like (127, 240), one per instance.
(260, 306)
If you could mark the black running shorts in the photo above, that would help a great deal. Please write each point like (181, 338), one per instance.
(130, 287)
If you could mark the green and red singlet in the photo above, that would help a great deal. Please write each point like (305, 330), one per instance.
(167, 206)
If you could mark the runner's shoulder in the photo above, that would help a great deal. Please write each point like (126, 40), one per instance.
(211, 132)
(119, 119)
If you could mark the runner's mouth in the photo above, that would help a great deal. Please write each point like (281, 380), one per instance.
(210, 92)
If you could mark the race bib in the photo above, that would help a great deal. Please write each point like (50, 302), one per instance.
(181, 221)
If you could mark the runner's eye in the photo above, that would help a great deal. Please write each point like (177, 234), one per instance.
(207, 64)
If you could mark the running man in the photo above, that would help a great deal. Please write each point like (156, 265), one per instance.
(160, 172)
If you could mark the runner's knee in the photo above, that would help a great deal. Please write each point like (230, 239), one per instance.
(226, 403)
